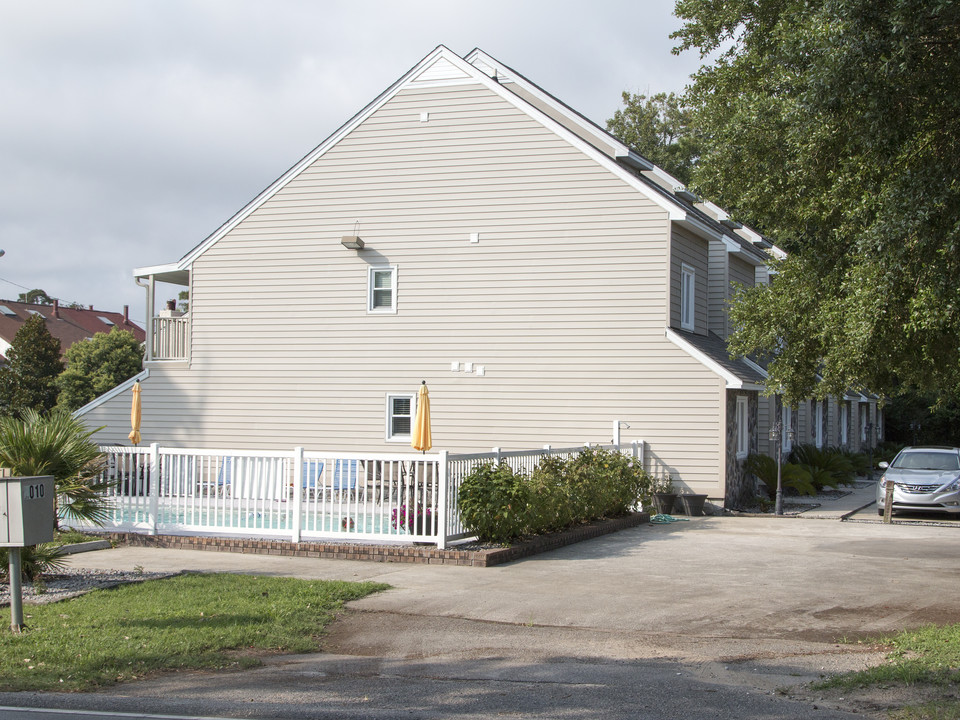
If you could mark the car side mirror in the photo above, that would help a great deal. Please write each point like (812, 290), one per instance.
(883, 465)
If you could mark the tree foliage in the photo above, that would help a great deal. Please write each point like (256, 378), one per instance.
(98, 365)
(658, 127)
(834, 127)
(28, 380)
(36, 297)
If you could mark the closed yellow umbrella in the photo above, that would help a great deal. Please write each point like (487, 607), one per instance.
(135, 415)
(422, 439)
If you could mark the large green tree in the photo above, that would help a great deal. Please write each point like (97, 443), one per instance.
(98, 365)
(28, 380)
(658, 127)
(834, 126)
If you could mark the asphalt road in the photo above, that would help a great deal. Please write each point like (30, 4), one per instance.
(702, 619)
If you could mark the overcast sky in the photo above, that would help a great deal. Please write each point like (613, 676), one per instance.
(131, 129)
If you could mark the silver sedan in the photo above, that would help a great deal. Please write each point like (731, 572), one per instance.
(924, 478)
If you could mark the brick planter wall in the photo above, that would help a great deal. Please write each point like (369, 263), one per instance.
(387, 553)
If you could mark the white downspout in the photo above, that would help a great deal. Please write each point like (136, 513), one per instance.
(148, 340)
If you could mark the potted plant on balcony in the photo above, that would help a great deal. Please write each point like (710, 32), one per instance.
(664, 494)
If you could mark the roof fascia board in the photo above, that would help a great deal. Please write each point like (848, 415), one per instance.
(110, 394)
(733, 382)
(756, 367)
(321, 149)
(156, 270)
(675, 211)
(621, 150)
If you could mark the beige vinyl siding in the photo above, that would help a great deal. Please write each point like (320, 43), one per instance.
(562, 301)
(692, 250)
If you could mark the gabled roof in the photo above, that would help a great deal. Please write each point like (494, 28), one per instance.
(444, 67)
(711, 350)
(69, 325)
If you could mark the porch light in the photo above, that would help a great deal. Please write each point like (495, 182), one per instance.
(353, 242)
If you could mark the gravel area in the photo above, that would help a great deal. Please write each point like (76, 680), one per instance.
(74, 582)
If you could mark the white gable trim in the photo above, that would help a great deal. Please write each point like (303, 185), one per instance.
(498, 71)
(733, 382)
(110, 394)
(321, 149)
(472, 75)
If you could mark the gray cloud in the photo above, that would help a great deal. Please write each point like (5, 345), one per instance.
(132, 130)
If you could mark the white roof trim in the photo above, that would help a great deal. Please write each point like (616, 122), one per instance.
(110, 394)
(156, 270)
(733, 382)
(756, 367)
(498, 71)
(474, 74)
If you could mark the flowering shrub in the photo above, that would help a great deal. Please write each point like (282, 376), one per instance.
(416, 521)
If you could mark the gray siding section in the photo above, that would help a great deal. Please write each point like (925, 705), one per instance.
(718, 288)
(692, 250)
(562, 301)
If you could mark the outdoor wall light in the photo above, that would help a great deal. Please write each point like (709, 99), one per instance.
(353, 242)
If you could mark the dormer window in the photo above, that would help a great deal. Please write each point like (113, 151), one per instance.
(688, 286)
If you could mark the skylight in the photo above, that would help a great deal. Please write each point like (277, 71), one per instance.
(7, 311)
(105, 321)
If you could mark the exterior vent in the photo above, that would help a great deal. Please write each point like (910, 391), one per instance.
(685, 194)
(731, 223)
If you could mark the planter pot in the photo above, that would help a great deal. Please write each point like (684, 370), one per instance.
(663, 502)
(693, 504)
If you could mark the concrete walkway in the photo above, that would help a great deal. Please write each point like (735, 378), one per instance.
(697, 619)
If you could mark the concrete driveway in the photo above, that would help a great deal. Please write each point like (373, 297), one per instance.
(692, 619)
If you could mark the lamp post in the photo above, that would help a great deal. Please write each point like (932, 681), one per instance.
(776, 435)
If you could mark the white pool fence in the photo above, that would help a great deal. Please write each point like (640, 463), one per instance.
(300, 494)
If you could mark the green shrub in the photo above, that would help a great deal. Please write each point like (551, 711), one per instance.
(827, 467)
(494, 503)
(859, 461)
(792, 476)
(551, 508)
(500, 506)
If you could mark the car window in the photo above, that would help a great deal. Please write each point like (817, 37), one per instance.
(927, 461)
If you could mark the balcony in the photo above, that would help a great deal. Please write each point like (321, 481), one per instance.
(171, 337)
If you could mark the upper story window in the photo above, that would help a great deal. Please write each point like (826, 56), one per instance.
(688, 286)
(400, 409)
(382, 289)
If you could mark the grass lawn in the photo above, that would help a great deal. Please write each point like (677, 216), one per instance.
(927, 659)
(190, 621)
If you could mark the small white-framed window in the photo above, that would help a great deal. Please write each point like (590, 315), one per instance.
(688, 292)
(844, 423)
(382, 289)
(743, 427)
(818, 427)
(787, 440)
(400, 412)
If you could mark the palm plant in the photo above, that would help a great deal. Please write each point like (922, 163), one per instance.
(58, 444)
(792, 476)
(826, 467)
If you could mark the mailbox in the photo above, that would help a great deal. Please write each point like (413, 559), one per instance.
(26, 510)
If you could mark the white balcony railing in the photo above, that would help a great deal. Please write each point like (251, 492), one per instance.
(171, 338)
